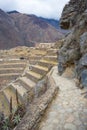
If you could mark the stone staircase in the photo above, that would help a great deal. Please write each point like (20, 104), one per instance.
(25, 85)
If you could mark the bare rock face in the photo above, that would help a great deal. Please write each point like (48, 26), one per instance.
(71, 13)
(74, 50)
(83, 43)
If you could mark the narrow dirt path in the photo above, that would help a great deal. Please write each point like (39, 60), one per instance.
(69, 110)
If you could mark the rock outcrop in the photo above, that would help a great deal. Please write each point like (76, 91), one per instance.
(74, 49)
(71, 13)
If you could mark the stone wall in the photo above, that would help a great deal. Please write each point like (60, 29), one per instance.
(36, 109)
(45, 45)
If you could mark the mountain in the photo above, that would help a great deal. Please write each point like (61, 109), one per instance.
(17, 29)
(14, 11)
(34, 29)
(9, 34)
(53, 22)
(56, 24)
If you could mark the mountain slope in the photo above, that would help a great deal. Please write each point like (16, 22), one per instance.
(56, 24)
(18, 29)
(9, 34)
(34, 29)
(53, 22)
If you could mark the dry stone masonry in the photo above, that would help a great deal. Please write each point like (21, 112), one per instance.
(27, 79)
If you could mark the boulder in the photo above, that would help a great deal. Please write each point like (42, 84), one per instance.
(41, 87)
(83, 60)
(61, 68)
(69, 52)
(83, 43)
(84, 78)
(82, 64)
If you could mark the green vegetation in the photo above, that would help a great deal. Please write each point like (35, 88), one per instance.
(8, 123)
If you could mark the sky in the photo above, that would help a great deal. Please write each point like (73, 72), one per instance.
(43, 8)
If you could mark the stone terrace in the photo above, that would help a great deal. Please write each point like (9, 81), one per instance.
(10, 69)
(25, 76)
(36, 87)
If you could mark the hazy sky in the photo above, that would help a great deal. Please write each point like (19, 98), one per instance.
(44, 8)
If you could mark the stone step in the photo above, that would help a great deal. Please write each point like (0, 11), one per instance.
(50, 58)
(20, 90)
(4, 105)
(10, 70)
(12, 65)
(41, 48)
(33, 76)
(8, 92)
(30, 86)
(12, 61)
(34, 57)
(9, 76)
(27, 83)
(40, 52)
(39, 69)
(33, 62)
(52, 54)
(52, 51)
(47, 63)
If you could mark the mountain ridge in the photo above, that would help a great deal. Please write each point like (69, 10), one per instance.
(54, 22)
(22, 29)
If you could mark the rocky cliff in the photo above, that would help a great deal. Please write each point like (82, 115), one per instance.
(74, 49)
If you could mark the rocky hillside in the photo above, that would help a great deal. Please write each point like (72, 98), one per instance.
(74, 48)
(20, 29)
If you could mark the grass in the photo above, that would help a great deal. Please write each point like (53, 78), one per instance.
(15, 116)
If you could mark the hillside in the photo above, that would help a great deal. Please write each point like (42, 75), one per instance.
(9, 34)
(56, 24)
(18, 29)
(34, 29)
(53, 22)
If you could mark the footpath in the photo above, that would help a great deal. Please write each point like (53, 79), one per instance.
(68, 111)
